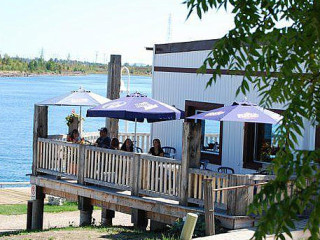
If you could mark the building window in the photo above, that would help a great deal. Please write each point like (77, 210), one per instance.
(211, 137)
(259, 144)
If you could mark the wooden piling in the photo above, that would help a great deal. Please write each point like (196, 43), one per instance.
(157, 226)
(191, 153)
(29, 214)
(76, 124)
(106, 217)
(85, 207)
(113, 91)
(40, 130)
(37, 210)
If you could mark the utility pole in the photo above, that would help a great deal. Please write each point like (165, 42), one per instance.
(169, 29)
(42, 54)
(97, 56)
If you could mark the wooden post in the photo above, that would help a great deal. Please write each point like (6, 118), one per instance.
(191, 153)
(239, 199)
(40, 129)
(85, 207)
(81, 164)
(188, 227)
(113, 90)
(37, 210)
(29, 214)
(74, 125)
(208, 207)
(138, 217)
(157, 226)
(106, 217)
(135, 175)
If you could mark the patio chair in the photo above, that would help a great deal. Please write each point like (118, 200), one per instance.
(139, 150)
(204, 163)
(226, 170)
(169, 152)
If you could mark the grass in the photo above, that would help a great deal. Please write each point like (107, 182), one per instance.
(17, 209)
(107, 233)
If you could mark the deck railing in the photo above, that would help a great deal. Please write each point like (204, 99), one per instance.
(107, 167)
(58, 158)
(160, 177)
(196, 193)
(144, 174)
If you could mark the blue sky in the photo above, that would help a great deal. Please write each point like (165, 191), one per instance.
(83, 28)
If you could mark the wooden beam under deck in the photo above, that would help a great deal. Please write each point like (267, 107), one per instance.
(162, 210)
(113, 197)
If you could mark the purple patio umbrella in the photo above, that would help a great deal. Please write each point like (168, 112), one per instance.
(136, 107)
(240, 112)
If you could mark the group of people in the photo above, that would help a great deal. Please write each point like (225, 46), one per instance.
(105, 142)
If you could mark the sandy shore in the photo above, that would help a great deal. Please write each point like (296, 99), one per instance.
(15, 195)
(57, 220)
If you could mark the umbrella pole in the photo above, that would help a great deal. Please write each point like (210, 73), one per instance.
(135, 135)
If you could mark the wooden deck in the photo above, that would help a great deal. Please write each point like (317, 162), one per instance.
(157, 209)
(147, 187)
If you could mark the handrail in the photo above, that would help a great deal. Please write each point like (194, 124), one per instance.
(112, 151)
(159, 159)
(62, 143)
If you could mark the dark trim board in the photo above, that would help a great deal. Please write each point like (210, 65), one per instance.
(200, 45)
(208, 71)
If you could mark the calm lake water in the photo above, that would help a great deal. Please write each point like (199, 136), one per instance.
(17, 99)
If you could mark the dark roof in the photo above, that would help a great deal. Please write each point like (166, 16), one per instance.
(185, 46)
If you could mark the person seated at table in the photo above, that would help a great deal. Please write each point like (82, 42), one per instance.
(156, 150)
(103, 141)
(74, 136)
(114, 144)
(127, 145)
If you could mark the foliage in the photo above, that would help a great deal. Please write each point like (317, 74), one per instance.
(70, 118)
(39, 65)
(58, 66)
(276, 44)
(199, 231)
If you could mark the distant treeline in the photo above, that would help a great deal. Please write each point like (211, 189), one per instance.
(59, 66)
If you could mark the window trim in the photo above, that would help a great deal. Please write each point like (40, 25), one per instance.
(190, 109)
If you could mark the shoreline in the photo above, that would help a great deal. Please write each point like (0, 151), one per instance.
(8, 74)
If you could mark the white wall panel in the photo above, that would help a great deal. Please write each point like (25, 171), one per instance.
(175, 88)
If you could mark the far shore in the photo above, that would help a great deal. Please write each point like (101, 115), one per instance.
(28, 74)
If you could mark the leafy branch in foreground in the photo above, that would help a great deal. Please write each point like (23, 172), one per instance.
(276, 43)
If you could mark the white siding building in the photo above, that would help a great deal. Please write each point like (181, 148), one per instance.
(175, 80)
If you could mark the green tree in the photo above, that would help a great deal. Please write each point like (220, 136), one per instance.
(277, 43)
